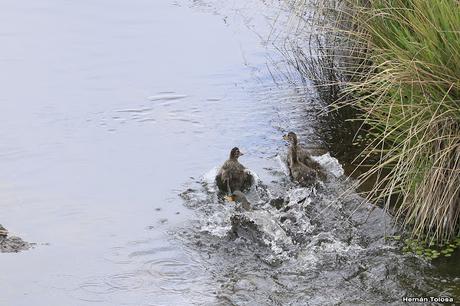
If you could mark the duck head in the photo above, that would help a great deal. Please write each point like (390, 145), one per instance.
(235, 153)
(291, 137)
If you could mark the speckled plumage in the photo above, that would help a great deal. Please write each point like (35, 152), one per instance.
(303, 156)
(233, 175)
(300, 172)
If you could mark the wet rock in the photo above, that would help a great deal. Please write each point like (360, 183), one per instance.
(3, 232)
(11, 244)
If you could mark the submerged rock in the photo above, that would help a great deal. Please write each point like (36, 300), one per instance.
(3, 232)
(11, 244)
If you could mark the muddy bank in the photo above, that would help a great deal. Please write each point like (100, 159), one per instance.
(11, 244)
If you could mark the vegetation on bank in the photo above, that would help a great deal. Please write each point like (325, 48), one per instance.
(398, 65)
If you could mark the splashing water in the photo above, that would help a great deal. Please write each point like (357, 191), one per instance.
(310, 244)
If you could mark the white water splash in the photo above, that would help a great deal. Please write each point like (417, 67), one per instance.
(209, 178)
(219, 224)
(331, 164)
(282, 163)
(298, 194)
(275, 235)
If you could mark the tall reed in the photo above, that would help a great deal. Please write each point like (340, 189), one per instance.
(403, 75)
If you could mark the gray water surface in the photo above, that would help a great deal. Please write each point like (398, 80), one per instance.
(107, 108)
(113, 117)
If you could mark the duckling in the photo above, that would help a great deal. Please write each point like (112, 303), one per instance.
(301, 173)
(233, 176)
(303, 156)
(239, 197)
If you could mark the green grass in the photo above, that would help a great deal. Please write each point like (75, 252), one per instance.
(410, 98)
(403, 75)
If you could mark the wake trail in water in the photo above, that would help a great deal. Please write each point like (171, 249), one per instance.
(310, 243)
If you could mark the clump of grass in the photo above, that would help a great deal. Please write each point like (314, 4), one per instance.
(410, 97)
(403, 76)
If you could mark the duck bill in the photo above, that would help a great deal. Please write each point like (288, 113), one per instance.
(285, 137)
(230, 198)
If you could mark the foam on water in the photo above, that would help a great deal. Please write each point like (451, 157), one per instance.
(281, 161)
(265, 224)
(218, 224)
(209, 179)
(330, 163)
(273, 234)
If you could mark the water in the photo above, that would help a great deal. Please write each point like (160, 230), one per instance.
(113, 117)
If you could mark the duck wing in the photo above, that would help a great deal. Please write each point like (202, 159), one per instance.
(222, 178)
(305, 158)
(233, 175)
(304, 175)
(248, 179)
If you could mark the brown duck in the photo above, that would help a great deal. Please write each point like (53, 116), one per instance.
(232, 175)
(300, 172)
(303, 156)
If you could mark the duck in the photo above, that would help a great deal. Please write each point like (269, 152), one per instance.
(303, 156)
(300, 172)
(233, 176)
